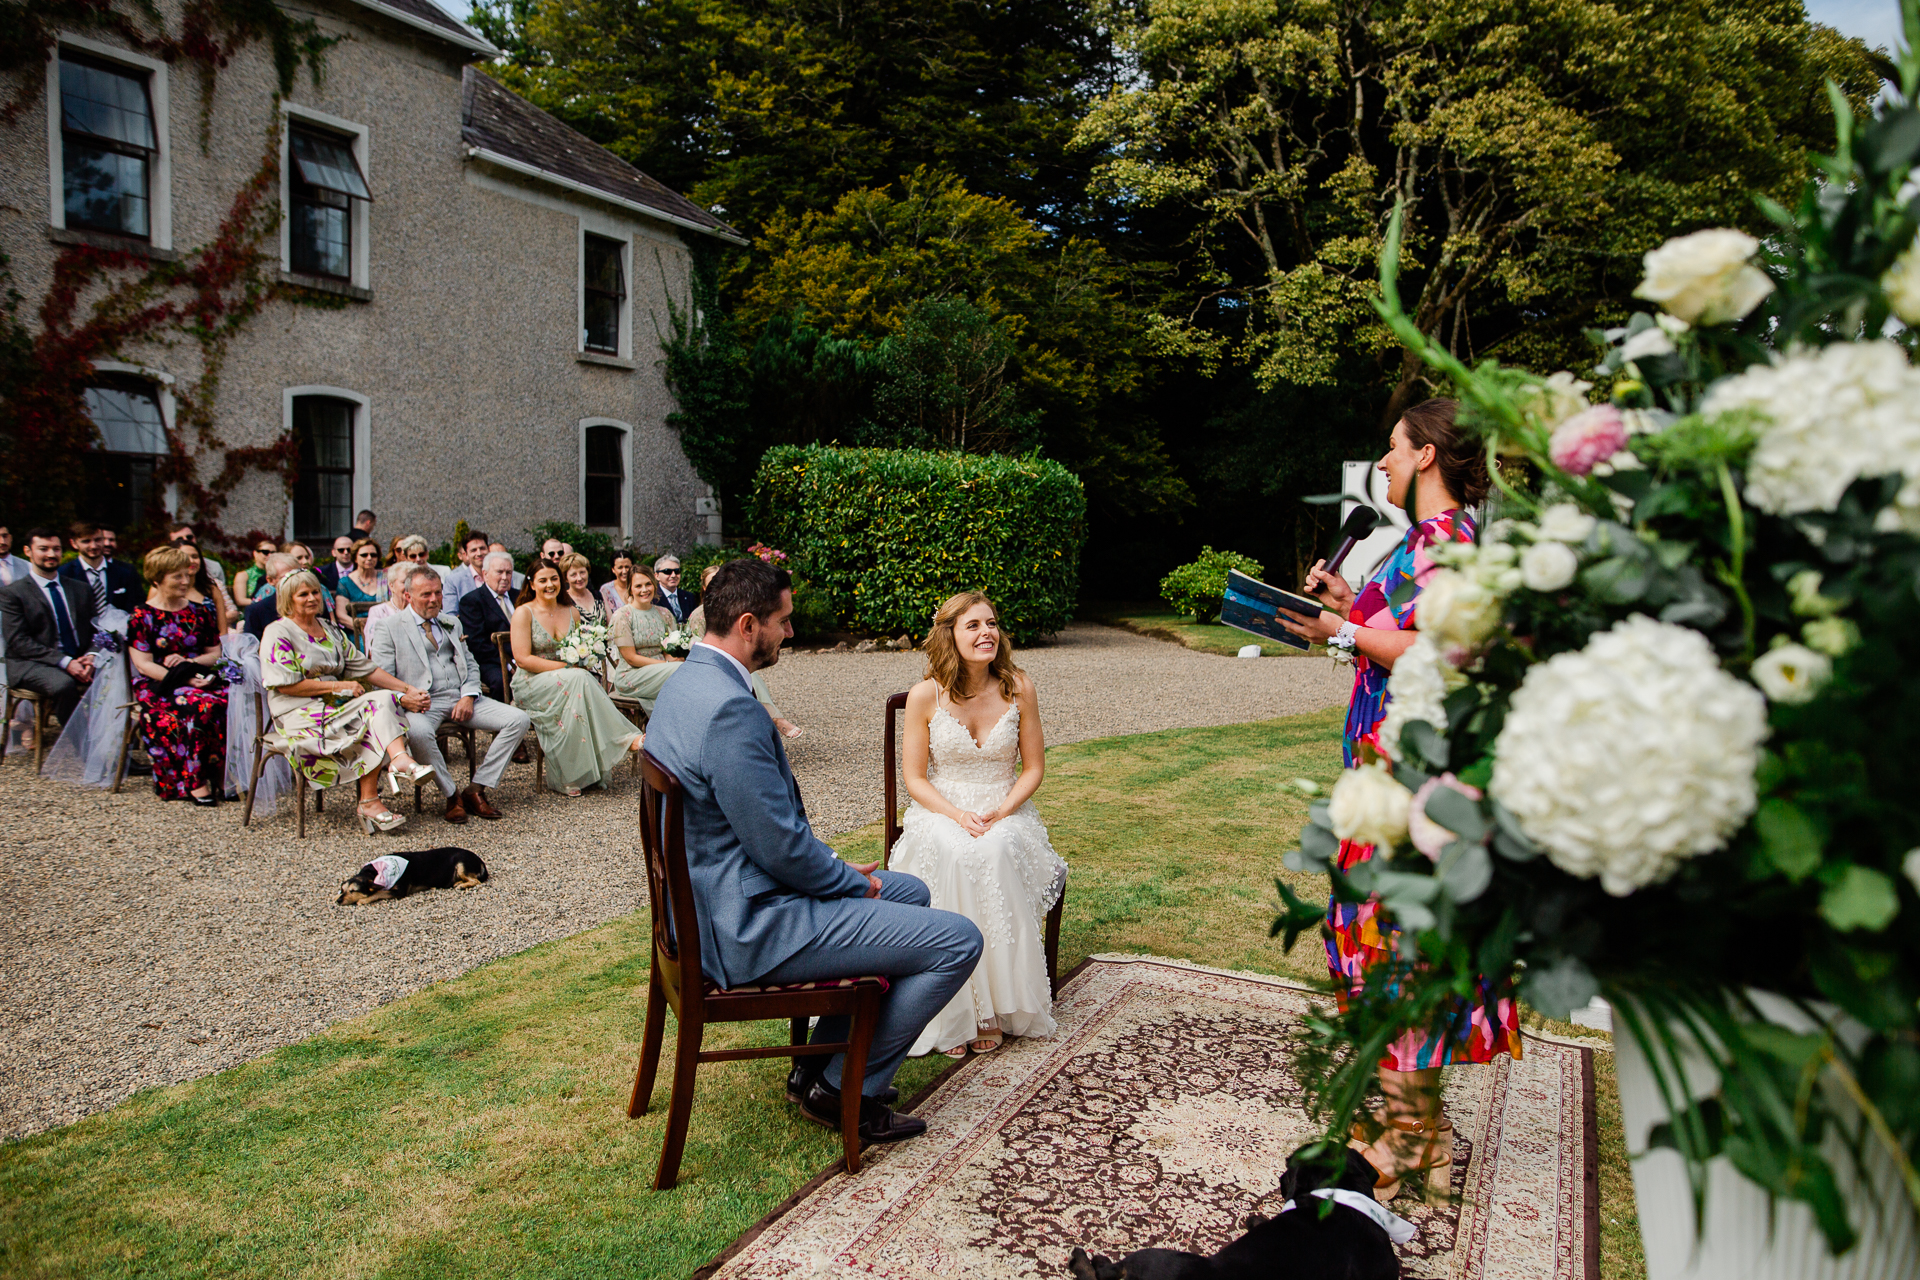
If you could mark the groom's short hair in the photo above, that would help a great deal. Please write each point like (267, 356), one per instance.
(747, 586)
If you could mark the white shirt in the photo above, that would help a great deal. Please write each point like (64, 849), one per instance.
(738, 665)
(96, 574)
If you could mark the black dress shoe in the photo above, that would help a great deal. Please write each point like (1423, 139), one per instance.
(806, 1072)
(878, 1121)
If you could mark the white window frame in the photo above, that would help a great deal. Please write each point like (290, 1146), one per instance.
(606, 229)
(362, 441)
(159, 174)
(626, 471)
(360, 269)
(163, 392)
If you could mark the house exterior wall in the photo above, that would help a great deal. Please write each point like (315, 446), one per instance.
(465, 341)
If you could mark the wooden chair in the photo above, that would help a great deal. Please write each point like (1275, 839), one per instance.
(443, 738)
(503, 644)
(676, 983)
(629, 707)
(136, 716)
(42, 723)
(895, 705)
(263, 749)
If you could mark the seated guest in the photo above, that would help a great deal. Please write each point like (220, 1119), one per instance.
(675, 601)
(582, 733)
(109, 542)
(486, 611)
(303, 557)
(112, 584)
(247, 584)
(776, 905)
(182, 534)
(362, 584)
(413, 548)
(334, 731)
(617, 594)
(340, 565)
(425, 648)
(577, 573)
(173, 645)
(397, 574)
(500, 548)
(465, 576)
(203, 590)
(262, 612)
(47, 619)
(697, 623)
(640, 668)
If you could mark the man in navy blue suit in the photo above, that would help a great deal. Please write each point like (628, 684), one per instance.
(776, 904)
(110, 582)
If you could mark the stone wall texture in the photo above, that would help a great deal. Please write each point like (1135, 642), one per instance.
(467, 352)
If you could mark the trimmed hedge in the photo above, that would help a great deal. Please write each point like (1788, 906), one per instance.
(1195, 589)
(885, 535)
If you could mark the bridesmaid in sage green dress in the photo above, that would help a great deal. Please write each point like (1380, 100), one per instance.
(640, 669)
(582, 733)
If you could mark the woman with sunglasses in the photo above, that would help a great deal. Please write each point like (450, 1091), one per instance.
(247, 584)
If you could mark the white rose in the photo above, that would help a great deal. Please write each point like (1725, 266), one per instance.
(1651, 341)
(1626, 757)
(1705, 278)
(1548, 566)
(1565, 522)
(1792, 673)
(1902, 283)
(1458, 610)
(1368, 806)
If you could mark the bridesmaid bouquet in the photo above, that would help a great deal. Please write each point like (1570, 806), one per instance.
(677, 643)
(584, 646)
(1654, 740)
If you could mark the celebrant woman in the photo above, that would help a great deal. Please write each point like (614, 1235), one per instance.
(582, 733)
(336, 730)
(1434, 472)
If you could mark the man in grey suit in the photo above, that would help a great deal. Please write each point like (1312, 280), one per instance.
(776, 904)
(47, 621)
(428, 651)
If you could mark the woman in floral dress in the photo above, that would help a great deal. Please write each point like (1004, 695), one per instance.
(173, 644)
(336, 731)
(1434, 472)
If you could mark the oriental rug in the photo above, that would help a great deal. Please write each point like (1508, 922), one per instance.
(1161, 1114)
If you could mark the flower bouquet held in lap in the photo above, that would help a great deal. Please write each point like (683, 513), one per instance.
(584, 646)
(677, 643)
(1656, 736)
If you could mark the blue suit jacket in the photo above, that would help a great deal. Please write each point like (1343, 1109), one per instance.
(123, 582)
(765, 884)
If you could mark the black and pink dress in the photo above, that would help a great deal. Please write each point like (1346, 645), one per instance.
(185, 728)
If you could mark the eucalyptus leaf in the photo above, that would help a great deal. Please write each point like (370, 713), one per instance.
(1457, 814)
(1861, 898)
(1617, 579)
(1318, 843)
(1560, 988)
(1425, 739)
(1301, 861)
(1409, 777)
(1465, 870)
(1788, 838)
(1318, 814)
(1508, 839)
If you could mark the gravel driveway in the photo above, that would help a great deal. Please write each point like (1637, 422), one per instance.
(143, 943)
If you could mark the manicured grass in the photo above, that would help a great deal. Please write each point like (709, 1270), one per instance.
(478, 1128)
(1156, 620)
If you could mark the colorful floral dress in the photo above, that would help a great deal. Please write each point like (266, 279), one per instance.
(185, 729)
(330, 742)
(1357, 940)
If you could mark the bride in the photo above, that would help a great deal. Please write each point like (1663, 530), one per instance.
(974, 758)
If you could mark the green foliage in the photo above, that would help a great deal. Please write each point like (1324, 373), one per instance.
(813, 615)
(886, 535)
(1194, 589)
(944, 381)
(705, 370)
(695, 561)
(598, 548)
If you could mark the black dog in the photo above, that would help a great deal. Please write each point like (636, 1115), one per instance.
(1301, 1244)
(396, 875)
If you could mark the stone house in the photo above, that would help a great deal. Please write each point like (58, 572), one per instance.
(492, 285)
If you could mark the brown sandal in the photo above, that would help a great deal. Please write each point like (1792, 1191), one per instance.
(1429, 1155)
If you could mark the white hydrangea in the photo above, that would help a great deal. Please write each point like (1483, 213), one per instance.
(1845, 411)
(1417, 690)
(1367, 805)
(1627, 756)
(1705, 278)
(1902, 283)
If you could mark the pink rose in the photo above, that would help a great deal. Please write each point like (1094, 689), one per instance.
(1428, 836)
(1587, 439)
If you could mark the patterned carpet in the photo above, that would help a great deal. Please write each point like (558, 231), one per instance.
(1162, 1113)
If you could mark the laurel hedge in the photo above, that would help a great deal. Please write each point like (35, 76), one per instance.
(887, 534)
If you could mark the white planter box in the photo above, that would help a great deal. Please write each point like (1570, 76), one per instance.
(1745, 1240)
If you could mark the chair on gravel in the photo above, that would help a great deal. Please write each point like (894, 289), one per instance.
(42, 723)
(262, 750)
(676, 983)
(889, 755)
(503, 645)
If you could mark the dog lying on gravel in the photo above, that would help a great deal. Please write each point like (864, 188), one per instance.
(1354, 1241)
(395, 875)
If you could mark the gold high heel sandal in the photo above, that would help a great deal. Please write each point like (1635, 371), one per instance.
(1419, 1150)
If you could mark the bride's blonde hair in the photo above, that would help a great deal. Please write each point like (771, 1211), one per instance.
(944, 667)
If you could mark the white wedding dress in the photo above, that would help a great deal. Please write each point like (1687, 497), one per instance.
(1005, 881)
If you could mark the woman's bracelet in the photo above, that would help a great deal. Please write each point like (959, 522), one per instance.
(1341, 643)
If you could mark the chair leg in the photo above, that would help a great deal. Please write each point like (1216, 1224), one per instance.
(253, 786)
(6, 726)
(1053, 943)
(300, 800)
(656, 1028)
(126, 748)
(416, 797)
(686, 1058)
(42, 721)
(853, 1073)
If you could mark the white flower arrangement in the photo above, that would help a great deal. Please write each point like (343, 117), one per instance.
(1417, 690)
(584, 646)
(1548, 566)
(677, 643)
(1625, 757)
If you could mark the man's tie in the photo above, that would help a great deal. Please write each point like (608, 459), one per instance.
(69, 641)
(99, 578)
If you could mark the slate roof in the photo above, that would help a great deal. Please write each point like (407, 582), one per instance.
(427, 15)
(495, 119)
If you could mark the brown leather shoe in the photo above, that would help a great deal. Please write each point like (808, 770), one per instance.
(521, 756)
(456, 814)
(476, 800)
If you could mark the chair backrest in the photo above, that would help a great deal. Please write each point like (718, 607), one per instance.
(361, 608)
(663, 844)
(895, 705)
(503, 644)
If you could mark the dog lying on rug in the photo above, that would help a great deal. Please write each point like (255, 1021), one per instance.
(1353, 1241)
(395, 875)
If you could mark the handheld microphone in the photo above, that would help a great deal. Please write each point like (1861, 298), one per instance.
(1358, 524)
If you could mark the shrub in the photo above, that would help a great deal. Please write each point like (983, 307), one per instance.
(698, 557)
(812, 616)
(1194, 589)
(885, 535)
(596, 547)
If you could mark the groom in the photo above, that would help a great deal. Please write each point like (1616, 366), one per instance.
(776, 905)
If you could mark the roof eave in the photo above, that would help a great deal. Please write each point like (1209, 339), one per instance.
(464, 38)
(560, 180)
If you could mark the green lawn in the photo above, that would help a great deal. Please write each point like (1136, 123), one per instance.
(1156, 620)
(478, 1128)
